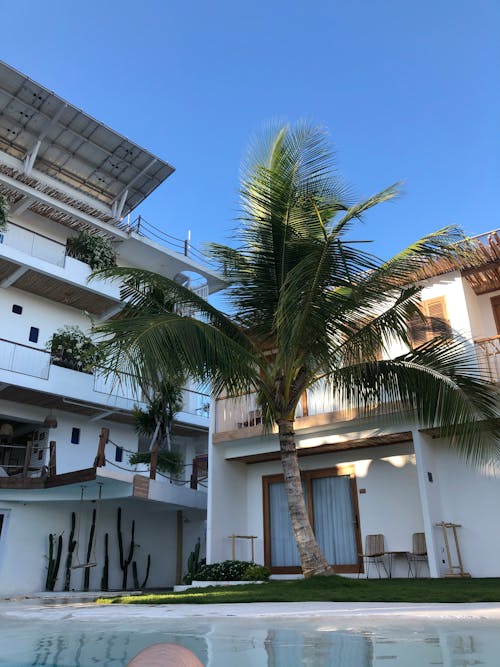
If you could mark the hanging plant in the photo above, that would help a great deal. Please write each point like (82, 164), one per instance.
(4, 212)
(71, 348)
(94, 250)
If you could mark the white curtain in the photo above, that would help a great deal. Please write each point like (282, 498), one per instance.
(283, 548)
(334, 520)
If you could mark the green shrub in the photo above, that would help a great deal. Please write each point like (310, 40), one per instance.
(4, 212)
(168, 461)
(94, 250)
(231, 570)
(256, 573)
(71, 348)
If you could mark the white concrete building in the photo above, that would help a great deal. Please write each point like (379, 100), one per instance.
(366, 476)
(62, 172)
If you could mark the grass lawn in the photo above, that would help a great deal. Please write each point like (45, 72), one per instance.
(331, 589)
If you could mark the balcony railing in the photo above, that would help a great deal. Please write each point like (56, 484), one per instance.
(120, 386)
(232, 414)
(488, 354)
(34, 244)
(24, 359)
(196, 403)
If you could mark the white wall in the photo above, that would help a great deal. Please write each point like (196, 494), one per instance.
(227, 505)
(24, 543)
(390, 504)
(472, 499)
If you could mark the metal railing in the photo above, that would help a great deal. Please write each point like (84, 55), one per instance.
(24, 359)
(196, 403)
(121, 386)
(488, 355)
(34, 244)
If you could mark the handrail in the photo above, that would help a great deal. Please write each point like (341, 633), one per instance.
(43, 236)
(486, 340)
(29, 347)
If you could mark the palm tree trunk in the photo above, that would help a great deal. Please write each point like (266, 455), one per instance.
(311, 558)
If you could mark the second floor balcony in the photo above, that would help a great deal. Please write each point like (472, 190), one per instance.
(32, 368)
(35, 263)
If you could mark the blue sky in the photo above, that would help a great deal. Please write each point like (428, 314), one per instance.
(408, 90)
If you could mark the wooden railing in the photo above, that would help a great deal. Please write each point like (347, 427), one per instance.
(488, 354)
(16, 461)
(199, 474)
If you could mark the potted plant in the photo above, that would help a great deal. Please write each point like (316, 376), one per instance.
(4, 211)
(94, 250)
(71, 348)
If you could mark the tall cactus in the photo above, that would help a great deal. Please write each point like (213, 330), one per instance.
(71, 549)
(105, 569)
(125, 562)
(53, 563)
(86, 576)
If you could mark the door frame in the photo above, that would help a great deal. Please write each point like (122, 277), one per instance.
(307, 476)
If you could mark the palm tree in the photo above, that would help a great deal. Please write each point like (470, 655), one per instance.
(307, 305)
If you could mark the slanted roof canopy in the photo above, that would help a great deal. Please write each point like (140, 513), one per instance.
(59, 140)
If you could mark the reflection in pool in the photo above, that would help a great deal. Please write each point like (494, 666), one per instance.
(231, 641)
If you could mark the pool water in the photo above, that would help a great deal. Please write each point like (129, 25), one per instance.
(70, 641)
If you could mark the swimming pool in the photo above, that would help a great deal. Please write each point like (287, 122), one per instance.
(81, 636)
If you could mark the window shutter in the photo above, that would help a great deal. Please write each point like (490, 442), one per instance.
(436, 312)
(437, 324)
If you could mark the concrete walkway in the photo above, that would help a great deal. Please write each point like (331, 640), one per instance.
(57, 607)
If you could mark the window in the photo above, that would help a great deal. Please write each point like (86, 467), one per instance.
(331, 502)
(34, 333)
(119, 454)
(436, 323)
(75, 436)
(18, 310)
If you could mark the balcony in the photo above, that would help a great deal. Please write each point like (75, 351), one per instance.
(37, 264)
(241, 417)
(488, 354)
(25, 369)
(24, 359)
(34, 244)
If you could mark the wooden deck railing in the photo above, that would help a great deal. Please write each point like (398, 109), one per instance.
(488, 354)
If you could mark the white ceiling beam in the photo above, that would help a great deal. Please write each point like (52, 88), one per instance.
(7, 282)
(31, 154)
(117, 207)
(101, 415)
(49, 181)
(38, 196)
(108, 314)
(136, 177)
(21, 206)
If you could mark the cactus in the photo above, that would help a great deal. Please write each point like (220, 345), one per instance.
(193, 564)
(125, 562)
(105, 569)
(86, 576)
(148, 567)
(69, 557)
(53, 563)
(135, 575)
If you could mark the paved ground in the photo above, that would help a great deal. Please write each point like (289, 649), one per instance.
(79, 607)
